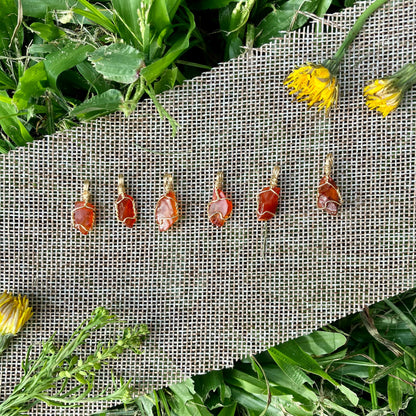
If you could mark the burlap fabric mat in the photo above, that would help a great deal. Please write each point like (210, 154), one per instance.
(209, 296)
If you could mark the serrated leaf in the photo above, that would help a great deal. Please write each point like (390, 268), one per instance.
(99, 105)
(118, 62)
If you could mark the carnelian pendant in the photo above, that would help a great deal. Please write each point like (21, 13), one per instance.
(268, 198)
(220, 208)
(125, 206)
(166, 210)
(83, 214)
(328, 198)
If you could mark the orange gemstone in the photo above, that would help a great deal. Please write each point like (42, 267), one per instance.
(329, 197)
(166, 211)
(126, 210)
(219, 209)
(83, 216)
(267, 200)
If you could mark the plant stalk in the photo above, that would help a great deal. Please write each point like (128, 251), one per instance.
(333, 64)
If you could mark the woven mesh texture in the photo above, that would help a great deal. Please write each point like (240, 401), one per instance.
(211, 296)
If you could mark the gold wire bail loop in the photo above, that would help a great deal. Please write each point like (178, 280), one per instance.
(85, 191)
(168, 182)
(275, 175)
(219, 180)
(121, 186)
(329, 162)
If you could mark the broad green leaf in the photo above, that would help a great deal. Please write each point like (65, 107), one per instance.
(206, 383)
(65, 58)
(6, 82)
(156, 69)
(32, 84)
(39, 8)
(186, 402)
(166, 81)
(11, 125)
(394, 393)
(285, 18)
(118, 62)
(321, 342)
(47, 31)
(99, 105)
(146, 405)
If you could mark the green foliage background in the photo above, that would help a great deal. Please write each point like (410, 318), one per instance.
(66, 61)
(362, 365)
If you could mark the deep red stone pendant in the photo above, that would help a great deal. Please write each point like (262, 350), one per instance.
(166, 211)
(268, 198)
(83, 214)
(125, 206)
(220, 208)
(328, 198)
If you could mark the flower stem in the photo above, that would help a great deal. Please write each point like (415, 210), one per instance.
(405, 77)
(333, 64)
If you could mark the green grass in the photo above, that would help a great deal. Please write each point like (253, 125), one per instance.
(364, 364)
(63, 62)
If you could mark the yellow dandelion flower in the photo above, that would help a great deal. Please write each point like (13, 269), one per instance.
(318, 84)
(314, 84)
(14, 313)
(382, 95)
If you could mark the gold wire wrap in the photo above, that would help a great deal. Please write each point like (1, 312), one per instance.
(275, 175)
(86, 194)
(168, 182)
(121, 186)
(219, 180)
(329, 162)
